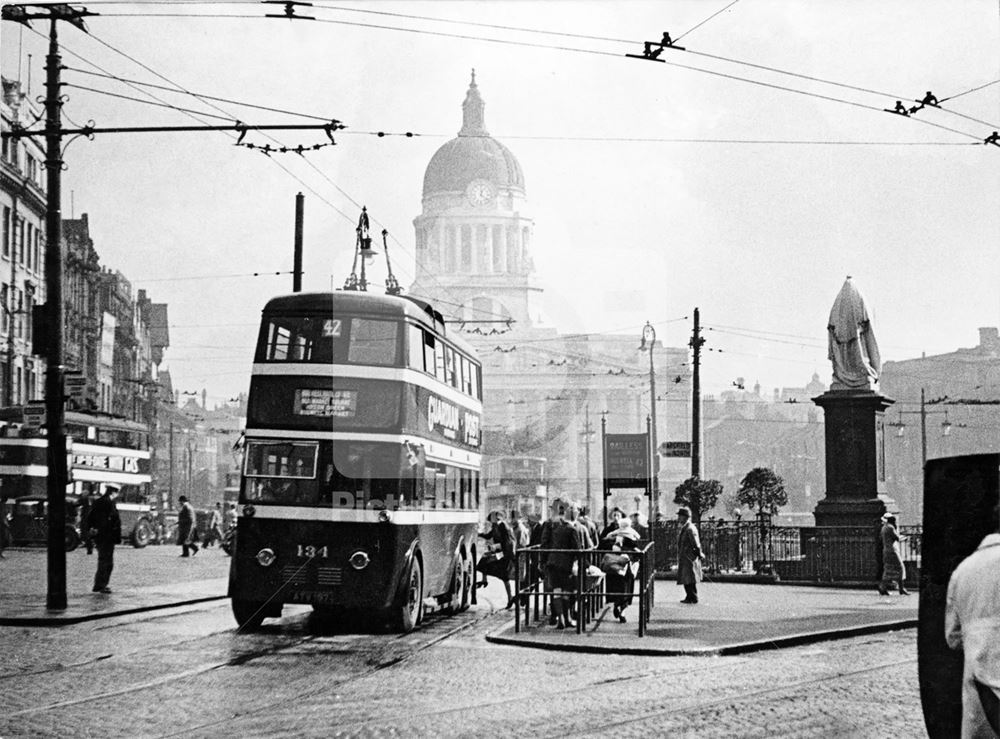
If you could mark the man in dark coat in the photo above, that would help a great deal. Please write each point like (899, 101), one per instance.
(105, 530)
(187, 537)
(688, 556)
(559, 565)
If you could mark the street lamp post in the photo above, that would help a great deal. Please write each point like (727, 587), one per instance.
(923, 413)
(649, 337)
(588, 437)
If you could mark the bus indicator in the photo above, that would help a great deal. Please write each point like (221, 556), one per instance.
(326, 403)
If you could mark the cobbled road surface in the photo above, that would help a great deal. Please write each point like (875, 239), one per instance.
(188, 672)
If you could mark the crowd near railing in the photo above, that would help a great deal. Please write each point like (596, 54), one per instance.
(590, 595)
(791, 553)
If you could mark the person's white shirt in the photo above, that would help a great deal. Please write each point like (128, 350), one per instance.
(972, 624)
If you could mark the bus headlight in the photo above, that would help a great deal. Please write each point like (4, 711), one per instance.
(383, 516)
(266, 557)
(249, 510)
(359, 560)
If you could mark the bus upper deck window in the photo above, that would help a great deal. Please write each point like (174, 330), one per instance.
(429, 363)
(415, 347)
(449, 366)
(373, 342)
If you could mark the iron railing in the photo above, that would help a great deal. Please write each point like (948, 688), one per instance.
(794, 553)
(590, 592)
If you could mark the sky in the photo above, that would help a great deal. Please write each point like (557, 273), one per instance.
(654, 188)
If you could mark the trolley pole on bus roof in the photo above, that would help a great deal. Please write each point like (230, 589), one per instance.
(297, 260)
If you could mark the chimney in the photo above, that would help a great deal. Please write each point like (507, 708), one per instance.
(12, 93)
(989, 339)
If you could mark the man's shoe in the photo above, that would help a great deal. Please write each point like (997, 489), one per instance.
(105, 589)
(904, 591)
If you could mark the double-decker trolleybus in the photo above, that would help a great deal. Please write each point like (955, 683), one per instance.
(103, 450)
(360, 484)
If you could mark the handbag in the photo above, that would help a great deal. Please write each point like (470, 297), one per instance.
(615, 563)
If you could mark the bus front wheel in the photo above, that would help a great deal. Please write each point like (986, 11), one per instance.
(249, 614)
(408, 612)
(72, 538)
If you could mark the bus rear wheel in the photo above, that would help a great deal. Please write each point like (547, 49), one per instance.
(249, 614)
(141, 534)
(408, 612)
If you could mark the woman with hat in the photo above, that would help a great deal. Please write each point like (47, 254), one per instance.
(892, 562)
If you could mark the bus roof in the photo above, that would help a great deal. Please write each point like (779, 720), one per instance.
(371, 303)
(15, 414)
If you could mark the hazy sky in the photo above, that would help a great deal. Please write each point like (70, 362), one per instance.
(760, 236)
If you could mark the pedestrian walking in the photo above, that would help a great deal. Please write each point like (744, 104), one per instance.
(689, 556)
(586, 520)
(85, 505)
(499, 562)
(230, 519)
(619, 577)
(105, 530)
(214, 526)
(893, 570)
(559, 565)
(972, 625)
(187, 533)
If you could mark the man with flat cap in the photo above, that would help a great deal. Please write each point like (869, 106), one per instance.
(689, 556)
(105, 530)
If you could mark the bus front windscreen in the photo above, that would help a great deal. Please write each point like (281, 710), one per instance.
(341, 474)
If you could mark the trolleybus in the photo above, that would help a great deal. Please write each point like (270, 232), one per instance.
(102, 450)
(361, 472)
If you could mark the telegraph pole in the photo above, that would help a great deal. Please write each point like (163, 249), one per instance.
(695, 344)
(297, 263)
(588, 434)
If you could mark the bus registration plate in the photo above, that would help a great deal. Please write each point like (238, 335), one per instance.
(319, 597)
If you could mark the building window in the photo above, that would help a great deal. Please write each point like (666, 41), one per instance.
(5, 308)
(28, 249)
(6, 230)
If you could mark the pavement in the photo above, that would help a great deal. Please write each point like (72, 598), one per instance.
(729, 619)
(732, 618)
(148, 579)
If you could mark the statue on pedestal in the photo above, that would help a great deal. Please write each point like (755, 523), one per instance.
(853, 349)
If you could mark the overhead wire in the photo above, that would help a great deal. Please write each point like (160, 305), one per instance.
(699, 25)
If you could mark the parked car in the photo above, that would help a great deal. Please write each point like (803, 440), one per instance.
(30, 525)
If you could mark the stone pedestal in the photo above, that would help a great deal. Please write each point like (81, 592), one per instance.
(855, 459)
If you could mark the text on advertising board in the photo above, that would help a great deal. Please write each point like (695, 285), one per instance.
(451, 421)
(106, 462)
(626, 459)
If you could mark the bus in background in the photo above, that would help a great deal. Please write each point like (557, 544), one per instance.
(102, 450)
(361, 474)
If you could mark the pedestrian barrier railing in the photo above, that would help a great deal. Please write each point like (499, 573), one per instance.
(794, 553)
(590, 595)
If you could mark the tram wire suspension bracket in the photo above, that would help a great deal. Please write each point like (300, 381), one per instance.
(651, 50)
(289, 13)
(929, 100)
(301, 149)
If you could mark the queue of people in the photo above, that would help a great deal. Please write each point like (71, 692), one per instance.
(568, 529)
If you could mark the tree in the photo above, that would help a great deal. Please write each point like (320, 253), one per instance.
(698, 495)
(762, 490)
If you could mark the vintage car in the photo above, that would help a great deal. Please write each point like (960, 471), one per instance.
(29, 521)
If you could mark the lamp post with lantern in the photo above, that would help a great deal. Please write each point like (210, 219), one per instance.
(649, 338)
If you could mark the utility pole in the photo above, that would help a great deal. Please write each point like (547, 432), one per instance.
(588, 434)
(297, 262)
(649, 337)
(170, 474)
(695, 344)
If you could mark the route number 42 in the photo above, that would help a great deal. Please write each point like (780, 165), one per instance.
(312, 552)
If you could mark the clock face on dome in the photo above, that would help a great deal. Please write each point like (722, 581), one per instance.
(480, 192)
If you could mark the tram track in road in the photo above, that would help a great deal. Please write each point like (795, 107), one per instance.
(686, 706)
(382, 659)
(541, 694)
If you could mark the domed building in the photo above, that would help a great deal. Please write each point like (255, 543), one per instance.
(473, 237)
(543, 392)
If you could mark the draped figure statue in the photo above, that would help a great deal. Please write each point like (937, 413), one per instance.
(853, 349)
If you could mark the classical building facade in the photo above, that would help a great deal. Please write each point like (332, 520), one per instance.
(474, 244)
